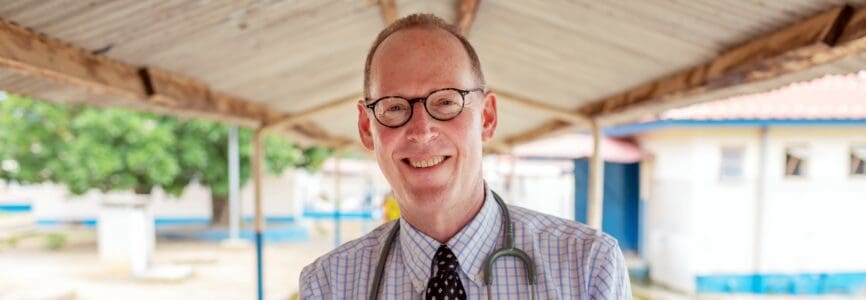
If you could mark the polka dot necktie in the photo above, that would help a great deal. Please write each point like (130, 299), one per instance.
(445, 284)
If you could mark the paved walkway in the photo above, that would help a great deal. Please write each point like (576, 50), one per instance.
(30, 271)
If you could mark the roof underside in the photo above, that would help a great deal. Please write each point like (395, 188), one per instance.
(293, 56)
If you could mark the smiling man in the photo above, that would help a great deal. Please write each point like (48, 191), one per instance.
(426, 115)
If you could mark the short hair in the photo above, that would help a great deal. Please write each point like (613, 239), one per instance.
(421, 21)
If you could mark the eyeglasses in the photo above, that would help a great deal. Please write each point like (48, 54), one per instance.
(442, 104)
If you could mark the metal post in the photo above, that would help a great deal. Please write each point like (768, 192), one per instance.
(337, 199)
(596, 179)
(234, 185)
(258, 156)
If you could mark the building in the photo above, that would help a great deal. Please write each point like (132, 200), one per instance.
(757, 194)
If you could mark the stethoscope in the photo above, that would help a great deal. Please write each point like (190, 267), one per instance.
(507, 250)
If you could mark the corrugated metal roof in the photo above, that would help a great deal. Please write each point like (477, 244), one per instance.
(297, 54)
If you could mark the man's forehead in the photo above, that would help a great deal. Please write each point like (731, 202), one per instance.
(426, 54)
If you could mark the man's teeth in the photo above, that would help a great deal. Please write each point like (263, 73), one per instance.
(427, 162)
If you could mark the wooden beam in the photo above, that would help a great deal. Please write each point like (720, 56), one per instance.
(37, 55)
(389, 11)
(292, 119)
(556, 112)
(824, 38)
(545, 129)
(497, 147)
(194, 98)
(466, 11)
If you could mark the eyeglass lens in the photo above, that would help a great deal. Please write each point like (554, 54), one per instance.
(441, 105)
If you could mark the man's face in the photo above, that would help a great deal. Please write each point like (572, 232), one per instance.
(430, 164)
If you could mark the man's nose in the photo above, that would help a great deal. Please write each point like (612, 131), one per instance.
(420, 126)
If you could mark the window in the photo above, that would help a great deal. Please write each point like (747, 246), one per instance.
(731, 167)
(796, 158)
(858, 160)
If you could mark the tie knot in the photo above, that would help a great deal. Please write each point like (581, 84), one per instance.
(445, 259)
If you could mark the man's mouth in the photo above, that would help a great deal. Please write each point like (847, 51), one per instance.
(426, 163)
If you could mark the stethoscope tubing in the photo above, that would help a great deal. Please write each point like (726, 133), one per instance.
(507, 250)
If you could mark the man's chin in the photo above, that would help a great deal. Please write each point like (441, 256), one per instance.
(428, 193)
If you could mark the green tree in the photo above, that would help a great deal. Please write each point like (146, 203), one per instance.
(86, 148)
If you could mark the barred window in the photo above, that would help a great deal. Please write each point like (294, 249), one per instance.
(731, 167)
(858, 160)
(796, 159)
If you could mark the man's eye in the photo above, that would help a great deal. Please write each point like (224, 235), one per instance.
(395, 108)
(445, 102)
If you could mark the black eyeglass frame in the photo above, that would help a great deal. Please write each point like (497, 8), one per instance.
(423, 100)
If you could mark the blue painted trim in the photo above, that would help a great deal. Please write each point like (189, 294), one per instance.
(337, 226)
(259, 275)
(631, 129)
(581, 179)
(58, 222)
(181, 221)
(272, 219)
(361, 215)
(16, 207)
(793, 284)
(621, 212)
(275, 234)
(160, 222)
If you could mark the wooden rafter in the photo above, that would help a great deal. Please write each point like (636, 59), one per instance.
(292, 119)
(824, 38)
(389, 11)
(37, 55)
(190, 96)
(466, 11)
(556, 112)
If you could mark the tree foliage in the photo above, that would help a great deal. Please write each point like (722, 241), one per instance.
(86, 148)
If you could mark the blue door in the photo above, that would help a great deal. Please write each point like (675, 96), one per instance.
(620, 215)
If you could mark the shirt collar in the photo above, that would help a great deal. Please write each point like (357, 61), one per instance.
(472, 244)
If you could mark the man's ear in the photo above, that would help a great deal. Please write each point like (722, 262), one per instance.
(364, 126)
(488, 117)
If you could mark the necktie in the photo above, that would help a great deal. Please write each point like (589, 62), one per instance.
(445, 284)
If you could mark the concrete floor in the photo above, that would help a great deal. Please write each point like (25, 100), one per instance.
(31, 271)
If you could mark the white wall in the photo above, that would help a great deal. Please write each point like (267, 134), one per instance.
(546, 186)
(813, 224)
(724, 210)
(278, 194)
(53, 202)
(668, 212)
(697, 224)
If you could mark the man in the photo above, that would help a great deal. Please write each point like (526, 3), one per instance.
(425, 116)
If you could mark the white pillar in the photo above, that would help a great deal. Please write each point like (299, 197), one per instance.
(596, 179)
(258, 158)
(760, 202)
(234, 185)
(337, 198)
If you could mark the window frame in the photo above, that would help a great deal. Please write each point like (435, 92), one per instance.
(804, 161)
(722, 176)
(852, 153)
